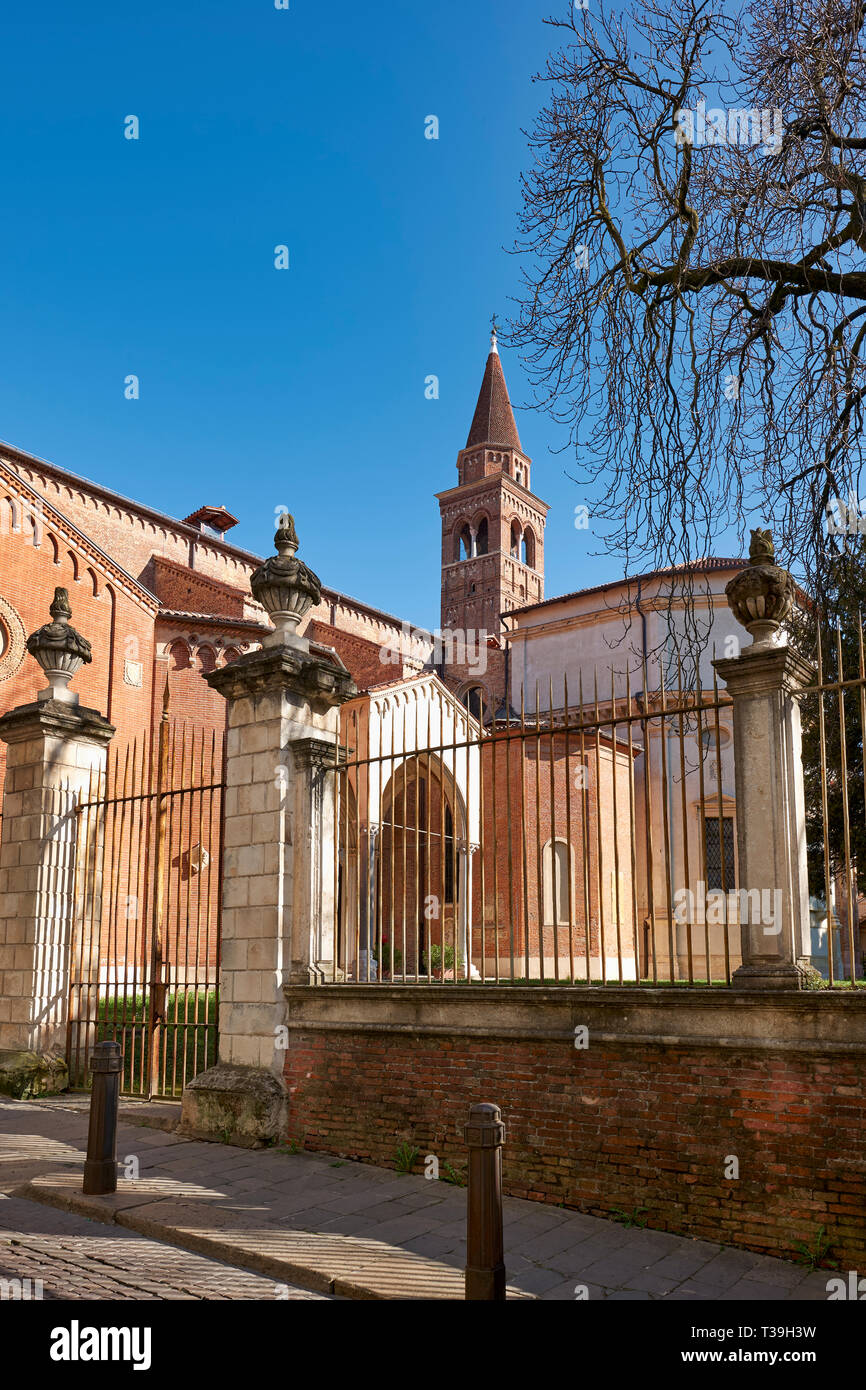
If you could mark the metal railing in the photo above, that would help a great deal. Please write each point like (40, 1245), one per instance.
(833, 716)
(145, 950)
(586, 840)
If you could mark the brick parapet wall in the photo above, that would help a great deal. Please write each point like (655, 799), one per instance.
(647, 1115)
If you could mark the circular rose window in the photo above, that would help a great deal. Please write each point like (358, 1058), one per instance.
(12, 640)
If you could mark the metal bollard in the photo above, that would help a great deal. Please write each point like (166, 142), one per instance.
(100, 1166)
(485, 1260)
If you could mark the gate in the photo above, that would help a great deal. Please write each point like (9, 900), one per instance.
(144, 965)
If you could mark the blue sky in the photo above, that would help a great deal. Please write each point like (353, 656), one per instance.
(261, 387)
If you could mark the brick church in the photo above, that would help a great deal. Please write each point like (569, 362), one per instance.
(166, 600)
(159, 596)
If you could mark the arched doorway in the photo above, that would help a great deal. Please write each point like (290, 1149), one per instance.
(419, 908)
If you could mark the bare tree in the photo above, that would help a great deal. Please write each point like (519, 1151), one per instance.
(694, 302)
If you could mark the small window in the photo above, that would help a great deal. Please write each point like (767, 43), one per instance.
(720, 852)
(556, 857)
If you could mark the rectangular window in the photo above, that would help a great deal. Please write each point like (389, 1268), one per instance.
(720, 851)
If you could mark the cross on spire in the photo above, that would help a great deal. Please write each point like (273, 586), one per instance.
(493, 332)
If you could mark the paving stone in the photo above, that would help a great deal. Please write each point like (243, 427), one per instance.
(431, 1244)
(550, 1243)
(614, 1270)
(402, 1228)
(750, 1290)
(725, 1270)
(573, 1263)
(778, 1272)
(350, 1219)
(650, 1282)
(565, 1292)
(809, 1292)
(684, 1262)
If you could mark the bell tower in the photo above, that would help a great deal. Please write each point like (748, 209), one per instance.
(492, 545)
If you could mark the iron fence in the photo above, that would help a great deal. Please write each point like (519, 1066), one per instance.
(589, 840)
(145, 949)
(584, 840)
(833, 715)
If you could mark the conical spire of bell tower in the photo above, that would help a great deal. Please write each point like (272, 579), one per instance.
(493, 421)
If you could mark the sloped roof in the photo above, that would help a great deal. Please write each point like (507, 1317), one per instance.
(493, 421)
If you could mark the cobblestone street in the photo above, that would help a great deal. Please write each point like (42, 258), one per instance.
(78, 1259)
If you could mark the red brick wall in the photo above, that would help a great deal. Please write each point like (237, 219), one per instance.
(360, 657)
(116, 626)
(179, 587)
(617, 1126)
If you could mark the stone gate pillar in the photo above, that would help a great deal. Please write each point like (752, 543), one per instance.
(771, 830)
(278, 851)
(56, 751)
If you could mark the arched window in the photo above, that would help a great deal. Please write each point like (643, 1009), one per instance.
(475, 700)
(179, 653)
(529, 548)
(230, 654)
(556, 876)
(206, 659)
(515, 540)
(481, 537)
(463, 544)
(449, 855)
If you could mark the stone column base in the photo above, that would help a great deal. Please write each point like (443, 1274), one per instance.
(247, 1106)
(26, 1074)
(773, 975)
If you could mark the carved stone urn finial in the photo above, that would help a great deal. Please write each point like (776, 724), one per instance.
(762, 595)
(286, 588)
(60, 651)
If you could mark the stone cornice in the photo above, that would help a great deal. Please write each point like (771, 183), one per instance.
(50, 718)
(493, 481)
(744, 1020)
(759, 672)
(325, 682)
(318, 753)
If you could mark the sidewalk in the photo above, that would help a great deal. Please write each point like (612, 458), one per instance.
(352, 1230)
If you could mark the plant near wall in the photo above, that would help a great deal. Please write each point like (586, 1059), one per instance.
(385, 955)
(630, 1218)
(814, 1256)
(432, 960)
(405, 1157)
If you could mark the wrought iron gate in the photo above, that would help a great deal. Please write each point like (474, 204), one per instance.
(144, 965)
